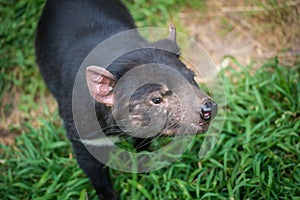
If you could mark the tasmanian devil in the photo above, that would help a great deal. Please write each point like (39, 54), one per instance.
(67, 32)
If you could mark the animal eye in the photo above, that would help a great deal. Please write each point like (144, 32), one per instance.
(157, 100)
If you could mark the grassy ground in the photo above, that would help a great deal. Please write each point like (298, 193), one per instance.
(257, 156)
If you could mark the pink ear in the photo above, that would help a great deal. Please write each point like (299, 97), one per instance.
(100, 83)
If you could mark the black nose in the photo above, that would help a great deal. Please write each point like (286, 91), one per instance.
(206, 110)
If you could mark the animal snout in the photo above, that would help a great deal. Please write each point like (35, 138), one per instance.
(208, 109)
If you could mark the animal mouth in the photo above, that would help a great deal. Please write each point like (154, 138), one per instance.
(201, 127)
(192, 129)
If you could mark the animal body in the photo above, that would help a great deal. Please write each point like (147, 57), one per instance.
(67, 31)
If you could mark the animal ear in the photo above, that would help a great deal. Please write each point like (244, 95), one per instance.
(172, 33)
(100, 83)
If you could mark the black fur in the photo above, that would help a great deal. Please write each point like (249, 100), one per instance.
(68, 30)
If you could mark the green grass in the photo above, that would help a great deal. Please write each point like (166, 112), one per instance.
(256, 157)
(159, 12)
(20, 82)
(39, 166)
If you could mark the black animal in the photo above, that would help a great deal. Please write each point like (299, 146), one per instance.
(67, 31)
